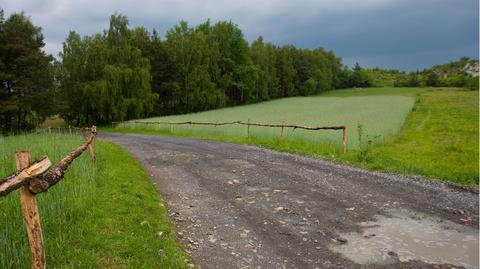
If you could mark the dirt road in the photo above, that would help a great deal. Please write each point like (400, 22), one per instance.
(239, 206)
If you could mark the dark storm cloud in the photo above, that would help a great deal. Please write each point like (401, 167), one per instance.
(404, 34)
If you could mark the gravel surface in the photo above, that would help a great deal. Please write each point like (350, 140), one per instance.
(238, 206)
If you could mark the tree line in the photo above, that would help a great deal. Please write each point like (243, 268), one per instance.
(125, 73)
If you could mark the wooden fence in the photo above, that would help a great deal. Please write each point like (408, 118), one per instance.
(247, 124)
(34, 178)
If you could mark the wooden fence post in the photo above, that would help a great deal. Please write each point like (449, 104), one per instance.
(281, 131)
(89, 147)
(94, 133)
(248, 128)
(31, 216)
(171, 127)
(344, 144)
(49, 130)
(70, 129)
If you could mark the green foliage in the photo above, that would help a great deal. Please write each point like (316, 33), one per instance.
(104, 78)
(473, 83)
(358, 77)
(453, 74)
(107, 215)
(432, 79)
(26, 76)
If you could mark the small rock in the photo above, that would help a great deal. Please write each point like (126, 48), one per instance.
(340, 240)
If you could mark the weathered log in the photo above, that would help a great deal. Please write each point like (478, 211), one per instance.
(43, 182)
(22, 177)
(31, 216)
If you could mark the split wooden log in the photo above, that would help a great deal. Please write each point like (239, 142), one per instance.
(22, 177)
(43, 182)
(31, 216)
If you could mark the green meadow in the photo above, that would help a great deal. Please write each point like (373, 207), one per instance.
(431, 132)
(99, 216)
(379, 115)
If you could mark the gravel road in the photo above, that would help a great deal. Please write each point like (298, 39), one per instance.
(237, 206)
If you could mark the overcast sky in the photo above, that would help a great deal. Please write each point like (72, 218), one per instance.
(400, 34)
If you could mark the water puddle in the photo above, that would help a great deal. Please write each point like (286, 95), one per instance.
(405, 235)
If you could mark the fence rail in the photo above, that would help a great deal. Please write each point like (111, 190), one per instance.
(34, 178)
(248, 124)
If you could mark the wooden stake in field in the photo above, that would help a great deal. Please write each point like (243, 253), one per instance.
(70, 129)
(31, 216)
(281, 131)
(94, 133)
(344, 144)
(91, 152)
(248, 128)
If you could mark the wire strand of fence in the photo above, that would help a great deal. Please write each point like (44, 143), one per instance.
(249, 123)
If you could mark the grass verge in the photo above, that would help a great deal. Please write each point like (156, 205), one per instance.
(103, 216)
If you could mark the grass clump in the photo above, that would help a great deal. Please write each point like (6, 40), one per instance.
(107, 215)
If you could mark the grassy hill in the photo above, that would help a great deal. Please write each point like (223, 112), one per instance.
(424, 131)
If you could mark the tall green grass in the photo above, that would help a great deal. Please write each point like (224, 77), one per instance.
(107, 215)
(380, 115)
(439, 139)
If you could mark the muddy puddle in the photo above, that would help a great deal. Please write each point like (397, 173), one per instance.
(405, 235)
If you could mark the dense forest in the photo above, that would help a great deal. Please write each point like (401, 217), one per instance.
(124, 73)
(128, 73)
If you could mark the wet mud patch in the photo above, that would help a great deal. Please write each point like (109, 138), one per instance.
(404, 235)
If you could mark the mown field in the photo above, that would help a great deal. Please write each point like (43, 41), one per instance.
(425, 131)
(107, 215)
(379, 115)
